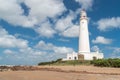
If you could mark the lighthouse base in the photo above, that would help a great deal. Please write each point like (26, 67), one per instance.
(91, 56)
(84, 56)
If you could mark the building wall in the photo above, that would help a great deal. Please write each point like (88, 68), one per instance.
(87, 56)
(92, 55)
(73, 56)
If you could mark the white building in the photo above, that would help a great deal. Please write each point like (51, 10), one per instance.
(84, 45)
(72, 56)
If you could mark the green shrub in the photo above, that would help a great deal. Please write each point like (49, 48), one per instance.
(107, 62)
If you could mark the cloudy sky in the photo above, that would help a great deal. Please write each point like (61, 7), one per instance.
(33, 31)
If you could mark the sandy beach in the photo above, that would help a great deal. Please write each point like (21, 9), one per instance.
(64, 73)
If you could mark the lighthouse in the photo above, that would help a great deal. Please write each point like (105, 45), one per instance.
(84, 45)
(84, 52)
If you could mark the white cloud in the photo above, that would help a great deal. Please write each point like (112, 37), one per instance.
(95, 48)
(7, 40)
(8, 51)
(55, 49)
(65, 22)
(66, 27)
(102, 40)
(18, 50)
(41, 9)
(11, 11)
(86, 4)
(71, 32)
(31, 51)
(108, 23)
(63, 40)
(3, 32)
(62, 50)
(115, 52)
(45, 29)
(44, 46)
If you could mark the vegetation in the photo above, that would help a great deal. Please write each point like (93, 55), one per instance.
(70, 62)
(50, 63)
(107, 62)
(99, 62)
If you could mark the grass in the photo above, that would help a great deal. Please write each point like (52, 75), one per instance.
(70, 62)
(99, 62)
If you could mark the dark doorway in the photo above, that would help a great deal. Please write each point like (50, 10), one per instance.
(80, 57)
(75, 58)
(69, 57)
(94, 58)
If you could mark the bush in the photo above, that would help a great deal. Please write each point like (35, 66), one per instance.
(107, 62)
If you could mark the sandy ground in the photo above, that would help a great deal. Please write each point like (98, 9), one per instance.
(64, 73)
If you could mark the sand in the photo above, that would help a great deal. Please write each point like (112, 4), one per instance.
(64, 73)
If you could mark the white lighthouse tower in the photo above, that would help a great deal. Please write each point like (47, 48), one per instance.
(84, 46)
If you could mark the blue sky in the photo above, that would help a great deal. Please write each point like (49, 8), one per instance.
(33, 31)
